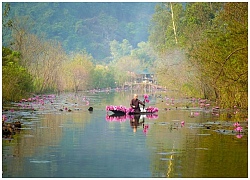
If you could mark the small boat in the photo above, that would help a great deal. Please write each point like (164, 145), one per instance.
(142, 112)
(122, 110)
(118, 113)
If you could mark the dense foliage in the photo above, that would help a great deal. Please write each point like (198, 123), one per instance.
(206, 53)
(199, 49)
(89, 26)
(16, 81)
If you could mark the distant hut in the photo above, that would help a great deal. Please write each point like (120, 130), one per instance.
(145, 76)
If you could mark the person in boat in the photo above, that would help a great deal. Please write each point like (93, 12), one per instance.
(135, 104)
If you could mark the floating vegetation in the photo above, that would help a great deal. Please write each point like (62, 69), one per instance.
(201, 148)
(40, 162)
(166, 159)
(203, 134)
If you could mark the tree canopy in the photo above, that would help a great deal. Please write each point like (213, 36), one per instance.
(213, 42)
(89, 26)
(199, 49)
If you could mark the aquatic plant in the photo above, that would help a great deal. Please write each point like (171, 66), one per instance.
(146, 98)
(152, 109)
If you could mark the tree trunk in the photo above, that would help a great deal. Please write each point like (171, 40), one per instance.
(174, 27)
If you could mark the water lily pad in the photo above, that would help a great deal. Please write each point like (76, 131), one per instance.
(203, 134)
(40, 161)
(201, 148)
(167, 159)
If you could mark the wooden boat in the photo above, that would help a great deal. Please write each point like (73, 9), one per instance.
(118, 113)
(121, 113)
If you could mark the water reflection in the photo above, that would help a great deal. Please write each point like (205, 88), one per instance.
(123, 118)
(135, 122)
(55, 143)
(116, 118)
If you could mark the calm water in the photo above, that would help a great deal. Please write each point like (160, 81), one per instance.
(81, 144)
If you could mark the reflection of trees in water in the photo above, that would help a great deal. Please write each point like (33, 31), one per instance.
(194, 152)
(175, 151)
(48, 132)
(166, 158)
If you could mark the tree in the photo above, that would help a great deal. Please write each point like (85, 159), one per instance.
(221, 56)
(16, 81)
(79, 71)
(103, 77)
(119, 50)
(43, 60)
(158, 27)
(124, 68)
(145, 53)
(164, 28)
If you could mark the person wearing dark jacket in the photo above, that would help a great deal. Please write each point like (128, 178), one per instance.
(135, 104)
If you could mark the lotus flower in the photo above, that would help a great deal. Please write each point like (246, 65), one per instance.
(117, 108)
(130, 110)
(196, 113)
(151, 109)
(236, 124)
(238, 129)
(146, 98)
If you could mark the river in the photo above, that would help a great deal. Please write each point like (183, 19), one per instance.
(182, 140)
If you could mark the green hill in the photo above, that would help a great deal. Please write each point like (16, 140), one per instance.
(82, 25)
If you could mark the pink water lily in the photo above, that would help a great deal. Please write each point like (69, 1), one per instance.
(236, 124)
(131, 110)
(146, 98)
(152, 109)
(196, 113)
(182, 123)
(238, 129)
(118, 108)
